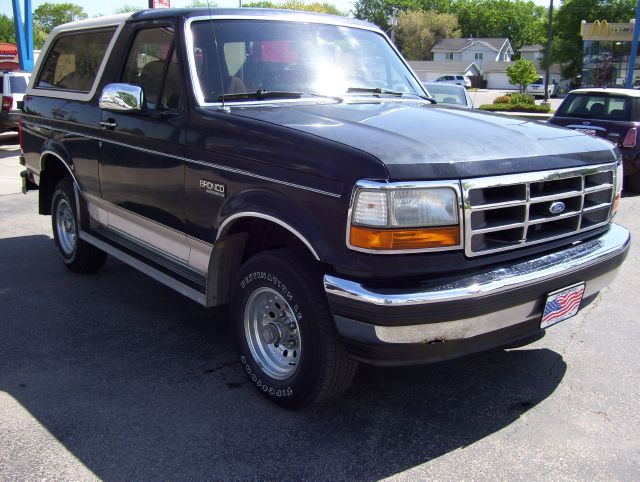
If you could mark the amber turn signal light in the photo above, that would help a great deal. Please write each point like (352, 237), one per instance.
(400, 239)
(616, 201)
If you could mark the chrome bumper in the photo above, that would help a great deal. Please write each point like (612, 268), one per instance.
(584, 260)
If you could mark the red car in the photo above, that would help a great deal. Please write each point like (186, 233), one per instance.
(613, 114)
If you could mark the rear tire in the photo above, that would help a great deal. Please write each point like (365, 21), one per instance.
(285, 332)
(76, 254)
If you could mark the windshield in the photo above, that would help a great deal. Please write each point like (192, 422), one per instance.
(306, 58)
(596, 106)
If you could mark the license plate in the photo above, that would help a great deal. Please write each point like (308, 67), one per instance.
(562, 304)
(589, 132)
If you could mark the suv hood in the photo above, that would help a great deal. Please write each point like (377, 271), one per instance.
(419, 140)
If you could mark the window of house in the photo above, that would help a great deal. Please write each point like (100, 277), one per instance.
(449, 55)
(478, 55)
(74, 61)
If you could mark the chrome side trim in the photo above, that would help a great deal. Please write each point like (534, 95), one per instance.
(500, 280)
(191, 161)
(383, 185)
(251, 214)
(167, 280)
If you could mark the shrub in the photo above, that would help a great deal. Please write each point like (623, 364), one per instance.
(503, 99)
(522, 99)
(516, 108)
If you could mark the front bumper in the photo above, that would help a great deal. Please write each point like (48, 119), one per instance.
(448, 318)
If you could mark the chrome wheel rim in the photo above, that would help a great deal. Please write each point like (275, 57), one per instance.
(272, 333)
(65, 227)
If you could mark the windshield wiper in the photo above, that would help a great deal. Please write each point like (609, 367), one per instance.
(262, 94)
(373, 90)
(378, 90)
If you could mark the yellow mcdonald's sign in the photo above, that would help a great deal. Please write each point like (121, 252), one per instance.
(603, 30)
(600, 28)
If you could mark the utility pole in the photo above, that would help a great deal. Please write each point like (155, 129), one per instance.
(394, 22)
(631, 66)
(548, 52)
(24, 34)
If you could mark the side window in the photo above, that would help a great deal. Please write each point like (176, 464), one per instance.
(74, 61)
(146, 62)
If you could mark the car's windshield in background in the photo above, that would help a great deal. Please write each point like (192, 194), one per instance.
(447, 94)
(596, 106)
(255, 55)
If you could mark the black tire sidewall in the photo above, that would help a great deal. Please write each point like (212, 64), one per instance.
(64, 191)
(264, 271)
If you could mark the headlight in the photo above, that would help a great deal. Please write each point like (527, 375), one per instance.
(392, 217)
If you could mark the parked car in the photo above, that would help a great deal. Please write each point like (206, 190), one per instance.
(291, 166)
(455, 79)
(612, 114)
(537, 88)
(12, 88)
(449, 94)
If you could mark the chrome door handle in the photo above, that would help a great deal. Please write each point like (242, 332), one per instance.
(108, 125)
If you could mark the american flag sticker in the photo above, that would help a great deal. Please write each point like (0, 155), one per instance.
(562, 304)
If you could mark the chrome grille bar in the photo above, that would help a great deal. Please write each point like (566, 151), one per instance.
(502, 213)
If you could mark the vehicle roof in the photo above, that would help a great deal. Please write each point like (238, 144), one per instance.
(168, 13)
(627, 92)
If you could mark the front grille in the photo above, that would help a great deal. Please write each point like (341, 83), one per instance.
(513, 211)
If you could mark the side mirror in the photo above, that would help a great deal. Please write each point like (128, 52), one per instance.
(122, 98)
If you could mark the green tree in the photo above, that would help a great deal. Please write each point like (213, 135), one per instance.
(374, 11)
(522, 22)
(522, 73)
(201, 4)
(419, 31)
(567, 43)
(7, 30)
(316, 7)
(49, 15)
(127, 7)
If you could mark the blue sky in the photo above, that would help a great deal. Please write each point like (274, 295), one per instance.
(93, 7)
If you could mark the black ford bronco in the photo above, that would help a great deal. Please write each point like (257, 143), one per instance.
(292, 165)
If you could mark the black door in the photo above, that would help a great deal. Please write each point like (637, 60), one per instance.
(141, 166)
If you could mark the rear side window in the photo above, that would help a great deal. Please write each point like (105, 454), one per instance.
(74, 61)
(18, 84)
(605, 107)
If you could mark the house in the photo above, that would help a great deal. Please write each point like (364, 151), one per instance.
(532, 52)
(429, 70)
(478, 50)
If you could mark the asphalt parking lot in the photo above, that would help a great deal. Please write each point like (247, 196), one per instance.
(112, 376)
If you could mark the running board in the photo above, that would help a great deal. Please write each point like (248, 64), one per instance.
(154, 273)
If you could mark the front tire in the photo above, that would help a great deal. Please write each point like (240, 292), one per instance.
(285, 332)
(76, 254)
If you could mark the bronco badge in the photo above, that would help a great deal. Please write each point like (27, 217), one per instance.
(213, 188)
